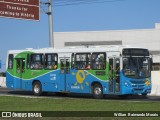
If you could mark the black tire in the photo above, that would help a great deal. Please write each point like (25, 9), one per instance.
(37, 88)
(97, 91)
(144, 95)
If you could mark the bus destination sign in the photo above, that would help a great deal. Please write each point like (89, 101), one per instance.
(135, 52)
(20, 9)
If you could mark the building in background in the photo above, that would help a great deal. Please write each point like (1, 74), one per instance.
(147, 38)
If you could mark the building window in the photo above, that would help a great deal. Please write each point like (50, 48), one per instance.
(98, 61)
(10, 61)
(36, 61)
(51, 61)
(156, 67)
(82, 61)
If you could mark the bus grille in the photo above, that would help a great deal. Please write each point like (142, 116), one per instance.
(138, 86)
(137, 89)
(137, 82)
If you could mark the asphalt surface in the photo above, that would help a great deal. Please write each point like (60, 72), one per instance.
(29, 94)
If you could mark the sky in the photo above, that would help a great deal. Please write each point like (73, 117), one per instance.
(93, 16)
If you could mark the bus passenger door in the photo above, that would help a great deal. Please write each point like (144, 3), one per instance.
(117, 75)
(114, 75)
(20, 69)
(64, 73)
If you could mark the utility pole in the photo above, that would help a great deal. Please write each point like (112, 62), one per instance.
(50, 21)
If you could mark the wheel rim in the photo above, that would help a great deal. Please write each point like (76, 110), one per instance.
(97, 91)
(36, 88)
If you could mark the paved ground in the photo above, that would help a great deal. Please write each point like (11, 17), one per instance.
(134, 98)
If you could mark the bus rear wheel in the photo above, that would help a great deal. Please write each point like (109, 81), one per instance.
(97, 91)
(37, 88)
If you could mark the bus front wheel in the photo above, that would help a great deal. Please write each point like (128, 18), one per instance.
(37, 88)
(144, 94)
(97, 91)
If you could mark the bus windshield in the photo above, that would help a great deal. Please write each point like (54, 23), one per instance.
(136, 67)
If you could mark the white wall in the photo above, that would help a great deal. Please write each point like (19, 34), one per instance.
(147, 38)
(155, 83)
(2, 81)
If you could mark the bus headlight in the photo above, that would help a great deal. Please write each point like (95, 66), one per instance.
(127, 84)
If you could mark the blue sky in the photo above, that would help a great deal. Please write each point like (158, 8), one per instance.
(118, 15)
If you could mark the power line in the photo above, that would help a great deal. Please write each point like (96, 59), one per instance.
(43, 9)
(59, 3)
(80, 2)
(54, 3)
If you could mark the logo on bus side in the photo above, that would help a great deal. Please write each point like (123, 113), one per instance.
(80, 77)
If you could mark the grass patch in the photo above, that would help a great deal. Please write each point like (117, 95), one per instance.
(11, 103)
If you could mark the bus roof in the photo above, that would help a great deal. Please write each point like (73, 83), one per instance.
(69, 50)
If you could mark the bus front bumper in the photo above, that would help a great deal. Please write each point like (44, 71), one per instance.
(136, 90)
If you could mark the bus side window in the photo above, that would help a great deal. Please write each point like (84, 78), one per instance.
(98, 61)
(51, 61)
(82, 61)
(28, 61)
(10, 61)
(72, 61)
(36, 61)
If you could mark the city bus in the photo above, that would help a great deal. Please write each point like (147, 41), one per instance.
(112, 70)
